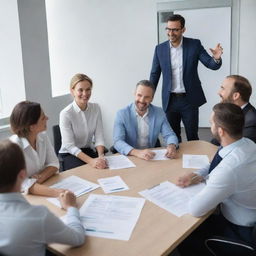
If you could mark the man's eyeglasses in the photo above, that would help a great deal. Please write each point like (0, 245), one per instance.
(173, 29)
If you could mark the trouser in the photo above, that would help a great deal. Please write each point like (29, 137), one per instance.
(179, 109)
(69, 161)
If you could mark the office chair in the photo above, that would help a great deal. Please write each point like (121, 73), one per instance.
(221, 246)
(57, 144)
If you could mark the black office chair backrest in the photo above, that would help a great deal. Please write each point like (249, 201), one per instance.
(56, 138)
(221, 246)
(254, 236)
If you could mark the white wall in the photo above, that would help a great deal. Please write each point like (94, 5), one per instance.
(121, 38)
(247, 40)
(11, 74)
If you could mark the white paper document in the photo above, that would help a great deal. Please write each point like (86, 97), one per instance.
(112, 184)
(160, 154)
(119, 162)
(75, 184)
(195, 161)
(112, 217)
(171, 197)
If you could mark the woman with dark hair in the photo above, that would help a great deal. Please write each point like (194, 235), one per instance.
(28, 123)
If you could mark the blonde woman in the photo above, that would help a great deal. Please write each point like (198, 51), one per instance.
(28, 123)
(81, 127)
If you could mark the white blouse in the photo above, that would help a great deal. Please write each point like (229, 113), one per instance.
(36, 160)
(80, 129)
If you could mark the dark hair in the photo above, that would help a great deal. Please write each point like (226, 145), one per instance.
(146, 83)
(243, 86)
(177, 17)
(24, 114)
(11, 163)
(229, 117)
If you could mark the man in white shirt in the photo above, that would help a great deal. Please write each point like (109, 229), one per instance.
(230, 182)
(27, 229)
(138, 126)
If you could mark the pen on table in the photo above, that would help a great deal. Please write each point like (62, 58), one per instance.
(100, 231)
(194, 177)
(115, 189)
(84, 191)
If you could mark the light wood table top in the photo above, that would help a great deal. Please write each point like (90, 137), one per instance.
(157, 231)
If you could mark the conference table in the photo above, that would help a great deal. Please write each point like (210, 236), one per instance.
(157, 232)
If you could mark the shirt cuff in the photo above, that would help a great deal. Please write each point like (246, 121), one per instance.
(27, 184)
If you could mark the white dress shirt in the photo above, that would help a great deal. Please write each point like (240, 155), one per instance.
(36, 160)
(26, 229)
(143, 130)
(177, 68)
(232, 183)
(80, 129)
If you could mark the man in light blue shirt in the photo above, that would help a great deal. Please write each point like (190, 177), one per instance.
(230, 182)
(27, 229)
(138, 126)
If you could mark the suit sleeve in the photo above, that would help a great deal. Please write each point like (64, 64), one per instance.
(155, 70)
(206, 59)
(119, 135)
(249, 130)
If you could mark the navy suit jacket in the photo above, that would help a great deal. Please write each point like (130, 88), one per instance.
(249, 130)
(193, 51)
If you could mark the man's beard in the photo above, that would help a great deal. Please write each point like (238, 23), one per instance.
(216, 136)
(229, 99)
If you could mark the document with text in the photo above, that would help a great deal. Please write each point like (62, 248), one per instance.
(112, 217)
(172, 198)
(75, 184)
(119, 162)
(112, 184)
(195, 161)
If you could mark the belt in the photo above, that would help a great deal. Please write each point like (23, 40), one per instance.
(173, 94)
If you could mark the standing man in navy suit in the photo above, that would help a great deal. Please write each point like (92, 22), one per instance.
(177, 60)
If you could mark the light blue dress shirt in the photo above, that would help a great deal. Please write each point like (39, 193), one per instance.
(27, 229)
(232, 183)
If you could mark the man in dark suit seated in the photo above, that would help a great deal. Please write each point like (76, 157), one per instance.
(237, 90)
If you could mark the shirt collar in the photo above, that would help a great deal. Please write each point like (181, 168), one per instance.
(26, 144)
(179, 46)
(78, 109)
(137, 114)
(243, 106)
(227, 149)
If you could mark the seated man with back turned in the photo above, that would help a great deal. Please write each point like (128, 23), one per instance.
(237, 89)
(27, 229)
(138, 126)
(230, 182)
